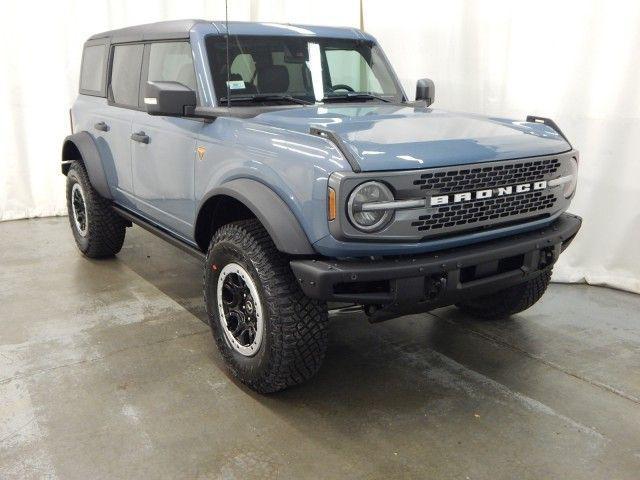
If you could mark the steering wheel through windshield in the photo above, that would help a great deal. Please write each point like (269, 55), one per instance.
(342, 86)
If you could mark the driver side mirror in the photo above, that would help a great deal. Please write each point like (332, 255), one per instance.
(426, 90)
(170, 99)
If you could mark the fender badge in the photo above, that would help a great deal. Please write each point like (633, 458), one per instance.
(201, 151)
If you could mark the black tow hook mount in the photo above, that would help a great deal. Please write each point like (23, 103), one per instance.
(430, 290)
(548, 257)
(434, 286)
(370, 310)
(381, 313)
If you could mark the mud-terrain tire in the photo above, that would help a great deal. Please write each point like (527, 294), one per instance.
(509, 301)
(242, 262)
(97, 229)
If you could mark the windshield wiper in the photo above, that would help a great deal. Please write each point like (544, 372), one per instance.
(265, 98)
(355, 96)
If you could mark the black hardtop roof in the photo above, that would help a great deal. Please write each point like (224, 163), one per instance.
(179, 29)
(151, 31)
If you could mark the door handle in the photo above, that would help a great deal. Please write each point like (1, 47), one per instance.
(140, 137)
(103, 127)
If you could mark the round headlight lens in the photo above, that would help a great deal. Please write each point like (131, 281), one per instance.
(369, 220)
(570, 187)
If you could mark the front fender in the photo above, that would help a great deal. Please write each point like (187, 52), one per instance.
(83, 145)
(270, 210)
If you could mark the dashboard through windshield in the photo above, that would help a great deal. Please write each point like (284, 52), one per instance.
(299, 70)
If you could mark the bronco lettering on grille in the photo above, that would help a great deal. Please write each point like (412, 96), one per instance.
(438, 200)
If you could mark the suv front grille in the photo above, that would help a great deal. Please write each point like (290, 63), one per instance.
(476, 178)
(492, 211)
(466, 209)
(498, 209)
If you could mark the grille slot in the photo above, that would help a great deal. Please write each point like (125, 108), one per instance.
(495, 210)
(478, 178)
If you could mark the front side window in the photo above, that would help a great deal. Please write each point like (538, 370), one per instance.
(172, 62)
(94, 60)
(299, 70)
(125, 74)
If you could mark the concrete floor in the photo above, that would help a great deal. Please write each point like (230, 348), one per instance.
(108, 371)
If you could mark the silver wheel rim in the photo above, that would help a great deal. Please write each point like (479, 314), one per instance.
(240, 310)
(79, 209)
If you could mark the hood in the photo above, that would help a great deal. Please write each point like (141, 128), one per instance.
(395, 137)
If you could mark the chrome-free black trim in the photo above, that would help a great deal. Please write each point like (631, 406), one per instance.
(160, 232)
(550, 123)
(337, 141)
(408, 276)
(272, 212)
(211, 113)
(176, 29)
(86, 146)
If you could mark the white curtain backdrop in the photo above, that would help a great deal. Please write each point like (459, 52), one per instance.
(574, 61)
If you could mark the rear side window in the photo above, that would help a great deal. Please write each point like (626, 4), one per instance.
(94, 61)
(125, 74)
(172, 62)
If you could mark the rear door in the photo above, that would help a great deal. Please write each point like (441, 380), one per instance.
(163, 163)
(116, 118)
(109, 83)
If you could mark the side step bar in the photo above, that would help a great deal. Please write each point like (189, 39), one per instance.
(160, 232)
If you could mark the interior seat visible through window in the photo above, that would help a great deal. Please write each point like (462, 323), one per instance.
(273, 79)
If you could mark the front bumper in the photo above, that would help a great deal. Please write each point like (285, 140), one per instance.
(422, 282)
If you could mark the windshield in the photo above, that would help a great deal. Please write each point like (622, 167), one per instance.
(299, 70)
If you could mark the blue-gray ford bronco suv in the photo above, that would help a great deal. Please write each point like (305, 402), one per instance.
(290, 160)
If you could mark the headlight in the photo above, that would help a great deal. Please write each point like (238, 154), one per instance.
(570, 187)
(369, 220)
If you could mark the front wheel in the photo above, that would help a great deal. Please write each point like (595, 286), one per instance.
(508, 301)
(270, 334)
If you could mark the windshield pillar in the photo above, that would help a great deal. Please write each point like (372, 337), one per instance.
(315, 67)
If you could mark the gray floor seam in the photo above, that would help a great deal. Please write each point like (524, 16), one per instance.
(549, 364)
(7, 380)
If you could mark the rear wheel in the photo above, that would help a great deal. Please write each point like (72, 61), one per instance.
(508, 301)
(97, 229)
(270, 334)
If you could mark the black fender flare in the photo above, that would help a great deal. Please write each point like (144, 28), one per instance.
(274, 214)
(86, 147)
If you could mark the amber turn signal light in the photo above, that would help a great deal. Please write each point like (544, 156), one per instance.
(331, 212)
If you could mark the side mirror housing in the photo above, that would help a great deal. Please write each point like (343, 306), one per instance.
(170, 99)
(426, 90)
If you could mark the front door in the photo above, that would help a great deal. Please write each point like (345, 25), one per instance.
(164, 148)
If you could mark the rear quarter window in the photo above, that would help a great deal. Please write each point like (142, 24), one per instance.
(94, 62)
